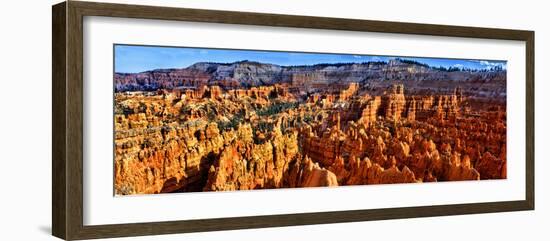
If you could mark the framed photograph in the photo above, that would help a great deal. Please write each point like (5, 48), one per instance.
(171, 120)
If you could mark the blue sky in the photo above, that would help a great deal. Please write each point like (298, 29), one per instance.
(134, 59)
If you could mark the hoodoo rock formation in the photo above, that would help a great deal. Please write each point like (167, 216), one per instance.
(247, 125)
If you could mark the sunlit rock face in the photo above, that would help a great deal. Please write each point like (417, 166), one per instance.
(247, 126)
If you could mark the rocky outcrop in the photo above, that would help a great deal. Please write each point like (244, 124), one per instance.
(491, 167)
(146, 158)
(306, 173)
(161, 79)
(393, 103)
(369, 113)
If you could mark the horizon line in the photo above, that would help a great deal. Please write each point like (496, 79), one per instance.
(133, 59)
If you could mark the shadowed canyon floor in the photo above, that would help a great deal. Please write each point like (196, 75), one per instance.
(216, 137)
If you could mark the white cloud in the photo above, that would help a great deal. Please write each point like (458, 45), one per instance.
(489, 65)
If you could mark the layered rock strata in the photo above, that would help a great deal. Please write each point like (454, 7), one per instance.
(215, 138)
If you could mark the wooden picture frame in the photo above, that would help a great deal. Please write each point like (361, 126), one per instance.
(67, 123)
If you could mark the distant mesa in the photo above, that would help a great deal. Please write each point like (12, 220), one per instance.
(248, 73)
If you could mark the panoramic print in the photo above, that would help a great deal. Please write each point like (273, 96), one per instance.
(202, 119)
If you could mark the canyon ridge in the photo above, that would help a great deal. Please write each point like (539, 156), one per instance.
(248, 125)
